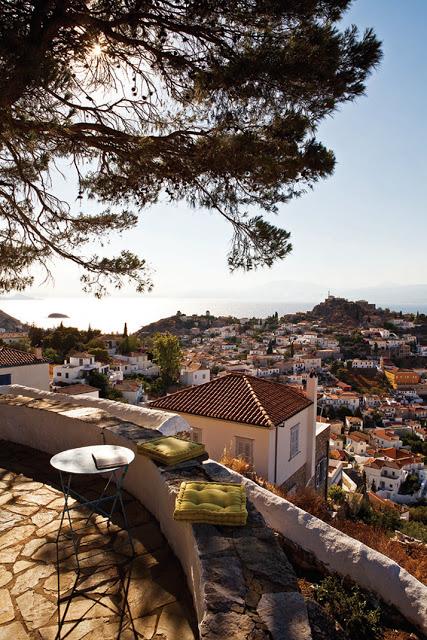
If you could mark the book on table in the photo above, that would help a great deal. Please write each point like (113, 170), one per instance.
(109, 460)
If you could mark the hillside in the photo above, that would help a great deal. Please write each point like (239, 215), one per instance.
(180, 324)
(9, 323)
(342, 311)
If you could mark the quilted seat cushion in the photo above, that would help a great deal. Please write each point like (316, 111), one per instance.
(211, 502)
(171, 450)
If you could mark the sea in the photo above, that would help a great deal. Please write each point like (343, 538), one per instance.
(110, 313)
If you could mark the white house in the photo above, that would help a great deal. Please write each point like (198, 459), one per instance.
(306, 363)
(327, 342)
(194, 374)
(131, 390)
(11, 337)
(345, 399)
(20, 367)
(358, 363)
(335, 471)
(384, 475)
(353, 422)
(112, 342)
(371, 401)
(77, 368)
(336, 442)
(138, 362)
(266, 372)
(270, 424)
(357, 443)
(402, 323)
(385, 438)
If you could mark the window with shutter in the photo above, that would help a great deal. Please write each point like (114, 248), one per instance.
(294, 449)
(245, 449)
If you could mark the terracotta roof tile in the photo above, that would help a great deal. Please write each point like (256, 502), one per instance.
(73, 389)
(238, 398)
(15, 358)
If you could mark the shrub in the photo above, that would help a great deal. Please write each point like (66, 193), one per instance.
(308, 500)
(350, 607)
(416, 530)
(419, 513)
(385, 518)
(336, 494)
(410, 485)
(236, 464)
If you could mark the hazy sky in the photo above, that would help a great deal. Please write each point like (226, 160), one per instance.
(366, 225)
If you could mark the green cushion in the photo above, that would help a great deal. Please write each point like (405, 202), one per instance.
(171, 450)
(211, 502)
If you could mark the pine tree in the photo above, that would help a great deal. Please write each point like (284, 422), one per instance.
(213, 103)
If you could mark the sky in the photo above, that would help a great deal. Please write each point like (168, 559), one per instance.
(363, 227)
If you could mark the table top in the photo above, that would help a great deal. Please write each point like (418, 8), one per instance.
(80, 460)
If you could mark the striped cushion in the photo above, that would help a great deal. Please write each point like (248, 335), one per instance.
(171, 450)
(211, 502)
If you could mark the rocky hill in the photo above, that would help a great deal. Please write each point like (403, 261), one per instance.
(343, 312)
(9, 323)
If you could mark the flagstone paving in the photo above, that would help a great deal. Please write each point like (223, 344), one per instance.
(150, 589)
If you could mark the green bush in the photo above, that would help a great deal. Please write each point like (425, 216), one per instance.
(410, 485)
(336, 494)
(386, 518)
(350, 607)
(419, 513)
(416, 530)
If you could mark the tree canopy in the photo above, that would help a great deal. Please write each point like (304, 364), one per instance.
(167, 355)
(215, 102)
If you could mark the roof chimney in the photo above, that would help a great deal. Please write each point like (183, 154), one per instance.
(311, 393)
(38, 352)
(311, 386)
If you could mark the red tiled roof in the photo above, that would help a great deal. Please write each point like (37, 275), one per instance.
(15, 358)
(75, 389)
(356, 436)
(238, 398)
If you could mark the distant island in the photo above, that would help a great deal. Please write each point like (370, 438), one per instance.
(57, 315)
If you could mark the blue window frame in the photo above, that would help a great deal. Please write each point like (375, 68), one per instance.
(5, 378)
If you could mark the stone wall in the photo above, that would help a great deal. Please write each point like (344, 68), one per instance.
(242, 583)
(341, 554)
(297, 480)
(322, 451)
(164, 421)
(239, 577)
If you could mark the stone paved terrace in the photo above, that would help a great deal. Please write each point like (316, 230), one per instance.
(30, 507)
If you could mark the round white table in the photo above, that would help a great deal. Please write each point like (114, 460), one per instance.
(81, 461)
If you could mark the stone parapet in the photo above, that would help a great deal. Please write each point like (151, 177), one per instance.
(234, 573)
(239, 577)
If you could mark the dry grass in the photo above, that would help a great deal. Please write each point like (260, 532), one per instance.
(411, 558)
(237, 464)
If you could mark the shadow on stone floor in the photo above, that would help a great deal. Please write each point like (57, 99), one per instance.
(150, 589)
